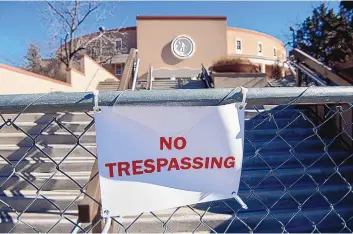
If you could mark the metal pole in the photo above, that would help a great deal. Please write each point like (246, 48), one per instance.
(135, 74)
(66, 102)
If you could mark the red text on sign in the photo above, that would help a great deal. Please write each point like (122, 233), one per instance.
(148, 166)
(179, 143)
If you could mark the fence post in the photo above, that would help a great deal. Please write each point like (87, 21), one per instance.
(89, 211)
(299, 77)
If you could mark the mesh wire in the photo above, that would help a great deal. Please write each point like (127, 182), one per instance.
(296, 177)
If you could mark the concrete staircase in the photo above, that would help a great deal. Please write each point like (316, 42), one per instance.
(108, 85)
(178, 84)
(33, 165)
(274, 153)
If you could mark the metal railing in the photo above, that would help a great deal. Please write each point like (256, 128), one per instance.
(206, 77)
(136, 69)
(303, 61)
(310, 77)
(127, 76)
(296, 177)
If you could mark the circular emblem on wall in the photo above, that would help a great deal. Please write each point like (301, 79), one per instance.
(183, 47)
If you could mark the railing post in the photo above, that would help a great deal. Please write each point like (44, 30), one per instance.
(299, 77)
(89, 210)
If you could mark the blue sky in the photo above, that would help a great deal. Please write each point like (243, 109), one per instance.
(23, 22)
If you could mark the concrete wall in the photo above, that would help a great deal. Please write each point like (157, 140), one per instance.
(92, 75)
(155, 35)
(16, 81)
(234, 80)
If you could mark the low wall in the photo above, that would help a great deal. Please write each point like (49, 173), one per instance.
(233, 80)
(18, 81)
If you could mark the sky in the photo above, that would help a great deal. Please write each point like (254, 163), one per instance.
(24, 22)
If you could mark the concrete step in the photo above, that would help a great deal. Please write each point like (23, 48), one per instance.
(279, 145)
(35, 128)
(295, 160)
(277, 123)
(39, 222)
(108, 88)
(263, 179)
(47, 117)
(47, 182)
(109, 82)
(32, 202)
(107, 85)
(46, 165)
(175, 84)
(286, 133)
(22, 139)
(165, 81)
(55, 151)
(265, 114)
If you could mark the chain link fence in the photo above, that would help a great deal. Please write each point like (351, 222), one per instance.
(297, 167)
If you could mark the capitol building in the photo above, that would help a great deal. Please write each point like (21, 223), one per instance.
(177, 46)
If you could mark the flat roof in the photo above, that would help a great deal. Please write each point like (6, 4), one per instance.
(179, 17)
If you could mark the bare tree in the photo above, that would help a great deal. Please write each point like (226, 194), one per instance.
(68, 21)
(68, 18)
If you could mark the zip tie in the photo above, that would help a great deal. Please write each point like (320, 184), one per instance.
(240, 201)
(244, 91)
(95, 99)
(108, 222)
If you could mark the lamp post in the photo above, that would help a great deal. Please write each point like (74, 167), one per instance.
(291, 28)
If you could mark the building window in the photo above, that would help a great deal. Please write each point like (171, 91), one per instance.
(274, 52)
(238, 46)
(119, 44)
(259, 48)
(118, 70)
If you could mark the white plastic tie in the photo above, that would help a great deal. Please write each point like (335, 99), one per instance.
(95, 98)
(240, 201)
(244, 91)
(108, 222)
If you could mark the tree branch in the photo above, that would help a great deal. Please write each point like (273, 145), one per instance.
(90, 10)
(58, 13)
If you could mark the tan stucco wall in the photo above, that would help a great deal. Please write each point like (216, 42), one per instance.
(92, 75)
(250, 39)
(17, 81)
(154, 37)
(233, 80)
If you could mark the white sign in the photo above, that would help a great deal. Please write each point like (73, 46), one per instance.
(183, 47)
(154, 158)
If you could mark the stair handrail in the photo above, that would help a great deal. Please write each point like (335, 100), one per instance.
(135, 74)
(150, 78)
(206, 77)
(305, 70)
(126, 78)
(318, 67)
